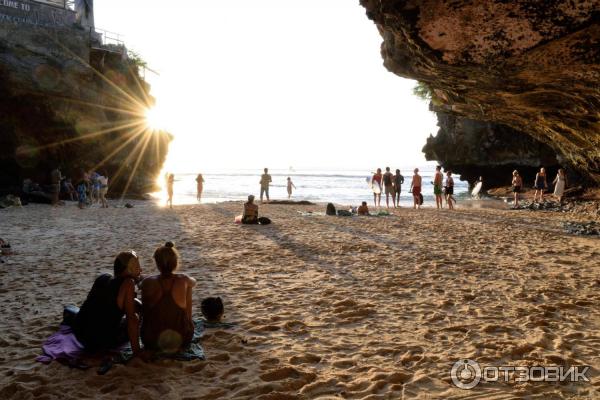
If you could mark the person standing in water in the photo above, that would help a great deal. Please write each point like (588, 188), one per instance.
(265, 181)
(290, 185)
(376, 180)
(517, 183)
(415, 187)
(438, 178)
(388, 183)
(540, 184)
(560, 183)
(170, 181)
(199, 186)
(398, 181)
(450, 190)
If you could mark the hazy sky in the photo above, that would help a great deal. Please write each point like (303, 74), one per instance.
(272, 83)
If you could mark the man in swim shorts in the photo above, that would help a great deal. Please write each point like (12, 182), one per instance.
(388, 183)
(265, 181)
(415, 187)
(438, 179)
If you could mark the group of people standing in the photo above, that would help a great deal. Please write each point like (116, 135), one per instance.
(540, 185)
(90, 188)
(392, 185)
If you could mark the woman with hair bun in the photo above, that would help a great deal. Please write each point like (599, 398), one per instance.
(167, 304)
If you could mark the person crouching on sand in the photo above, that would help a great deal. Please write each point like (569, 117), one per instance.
(517, 183)
(415, 187)
(99, 323)
(167, 324)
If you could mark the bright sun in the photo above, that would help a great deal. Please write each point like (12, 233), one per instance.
(155, 119)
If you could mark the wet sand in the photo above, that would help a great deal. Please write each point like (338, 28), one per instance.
(324, 307)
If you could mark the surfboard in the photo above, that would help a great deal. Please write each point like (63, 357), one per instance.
(374, 186)
(476, 189)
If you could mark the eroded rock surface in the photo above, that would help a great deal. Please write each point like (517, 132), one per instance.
(530, 66)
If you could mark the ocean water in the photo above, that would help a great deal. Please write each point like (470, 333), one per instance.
(344, 187)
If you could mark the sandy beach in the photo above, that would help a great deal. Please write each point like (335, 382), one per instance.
(323, 307)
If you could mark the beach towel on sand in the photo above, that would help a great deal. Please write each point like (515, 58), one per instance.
(64, 347)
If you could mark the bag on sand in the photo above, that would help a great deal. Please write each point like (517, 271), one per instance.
(330, 210)
(344, 213)
(264, 221)
(420, 199)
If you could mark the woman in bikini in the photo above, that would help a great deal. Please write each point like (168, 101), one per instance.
(167, 304)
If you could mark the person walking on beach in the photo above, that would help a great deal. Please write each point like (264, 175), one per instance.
(560, 183)
(199, 186)
(438, 178)
(415, 188)
(398, 181)
(517, 183)
(265, 181)
(290, 185)
(388, 183)
(540, 184)
(376, 180)
(170, 182)
(449, 189)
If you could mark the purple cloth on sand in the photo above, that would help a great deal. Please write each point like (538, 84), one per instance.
(62, 346)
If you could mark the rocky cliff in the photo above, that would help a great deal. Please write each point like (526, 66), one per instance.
(525, 73)
(68, 101)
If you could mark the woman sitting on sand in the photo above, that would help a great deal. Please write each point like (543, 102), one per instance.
(99, 323)
(167, 304)
(250, 215)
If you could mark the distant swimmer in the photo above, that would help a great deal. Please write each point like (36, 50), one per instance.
(517, 184)
(438, 179)
(449, 190)
(388, 183)
(265, 181)
(290, 185)
(376, 185)
(398, 181)
(199, 186)
(415, 187)
(170, 181)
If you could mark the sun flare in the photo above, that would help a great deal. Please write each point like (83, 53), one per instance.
(155, 119)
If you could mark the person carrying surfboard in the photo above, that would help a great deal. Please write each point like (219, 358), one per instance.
(388, 183)
(415, 188)
(376, 186)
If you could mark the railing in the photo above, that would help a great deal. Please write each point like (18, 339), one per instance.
(66, 4)
(108, 37)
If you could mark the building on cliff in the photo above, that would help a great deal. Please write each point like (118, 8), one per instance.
(71, 96)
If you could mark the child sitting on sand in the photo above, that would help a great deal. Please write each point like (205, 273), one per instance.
(363, 209)
(212, 309)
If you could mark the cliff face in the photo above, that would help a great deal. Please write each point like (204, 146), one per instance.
(530, 68)
(64, 103)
